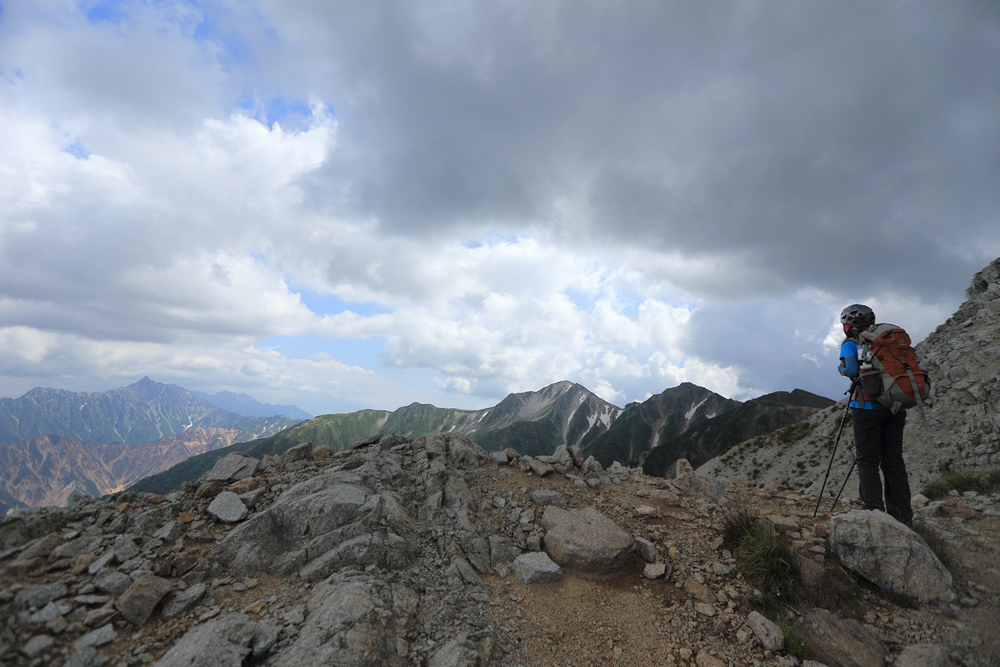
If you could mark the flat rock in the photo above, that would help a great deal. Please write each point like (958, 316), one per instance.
(41, 595)
(228, 508)
(231, 468)
(923, 655)
(99, 637)
(585, 539)
(546, 497)
(890, 555)
(838, 643)
(537, 568)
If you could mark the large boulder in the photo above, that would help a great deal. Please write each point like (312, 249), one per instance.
(890, 555)
(585, 539)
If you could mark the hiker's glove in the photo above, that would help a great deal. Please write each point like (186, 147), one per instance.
(843, 371)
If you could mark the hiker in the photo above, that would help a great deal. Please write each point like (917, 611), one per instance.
(878, 431)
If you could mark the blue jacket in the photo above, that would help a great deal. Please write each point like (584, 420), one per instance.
(850, 366)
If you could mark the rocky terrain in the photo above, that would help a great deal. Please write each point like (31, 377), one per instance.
(431, 551)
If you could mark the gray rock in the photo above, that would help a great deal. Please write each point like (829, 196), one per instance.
(353, 619)
(537, 568)
(459, 652)
(923, 655)
(77, 547)
(654, 570)
(184, 601)
(501, 551)
(646, 549)
(41, 595)
(138, 602)
(37, 646)
(99, 637)
(682, 467)
(767, 632)
(696, 485)
(85, 656)
(888, 554)
(539, 468)
(228, 508)
(149, 521)
(499, 457)
(102, 561)
(224, 641)
(125, 549)
(838, 643)
(170, 531)
(111, 581)
(299, 452)
(585, 539)
(548, 497)
(231, 468)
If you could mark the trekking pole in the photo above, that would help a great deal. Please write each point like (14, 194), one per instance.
(844, 485)
(840, 432)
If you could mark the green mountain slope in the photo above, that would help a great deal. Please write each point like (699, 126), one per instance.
(710, 438)
(661, 418)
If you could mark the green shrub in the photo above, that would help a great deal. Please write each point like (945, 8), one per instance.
(764, 558)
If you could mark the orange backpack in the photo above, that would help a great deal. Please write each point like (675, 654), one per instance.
(889, 369)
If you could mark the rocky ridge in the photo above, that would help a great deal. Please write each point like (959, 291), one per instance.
(419, 551)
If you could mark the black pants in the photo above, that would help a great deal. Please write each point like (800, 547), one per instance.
(878, 437)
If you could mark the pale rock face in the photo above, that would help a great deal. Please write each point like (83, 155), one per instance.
(887, 553)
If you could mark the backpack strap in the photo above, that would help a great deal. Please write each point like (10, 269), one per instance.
(916, 393)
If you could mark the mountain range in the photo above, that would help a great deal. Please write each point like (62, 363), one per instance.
(55, 443)
(155, 436)
(535, 423)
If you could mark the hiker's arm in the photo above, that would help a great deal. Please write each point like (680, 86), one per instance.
(849, 367)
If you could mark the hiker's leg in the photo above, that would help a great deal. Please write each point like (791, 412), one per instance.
(897, 485)
(867, 437)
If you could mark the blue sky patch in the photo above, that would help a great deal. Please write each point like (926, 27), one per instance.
(108, 11)
(77, 150)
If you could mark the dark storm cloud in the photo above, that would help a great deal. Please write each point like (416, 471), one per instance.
(813, 139)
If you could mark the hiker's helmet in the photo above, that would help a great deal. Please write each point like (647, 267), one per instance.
(856, 318)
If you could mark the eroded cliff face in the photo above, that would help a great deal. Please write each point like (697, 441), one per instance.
(963, 357)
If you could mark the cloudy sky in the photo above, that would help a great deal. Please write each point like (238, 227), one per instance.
(346, 205)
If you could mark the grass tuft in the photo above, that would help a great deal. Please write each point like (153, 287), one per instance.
(962, 480)
(764, 558)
